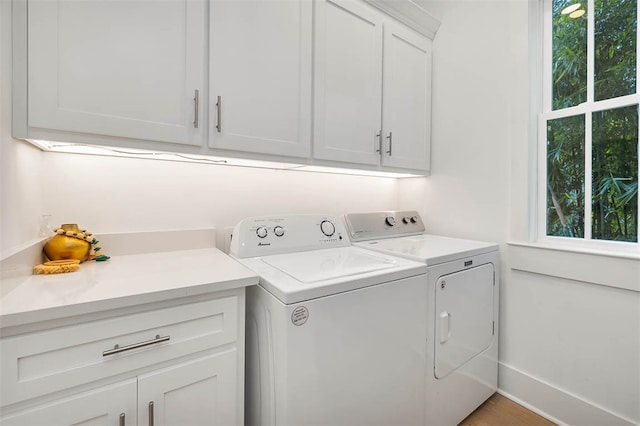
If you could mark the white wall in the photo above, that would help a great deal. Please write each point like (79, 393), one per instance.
(20, 166)
(109, 194)
(569, 345)
(466, 193)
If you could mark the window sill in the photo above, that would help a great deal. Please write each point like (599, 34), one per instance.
(609, 268)
(632, 253)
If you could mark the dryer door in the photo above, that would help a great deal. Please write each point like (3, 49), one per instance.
(464, 317)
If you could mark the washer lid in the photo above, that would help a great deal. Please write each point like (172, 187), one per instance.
(322, 265)
(295, 277)
(430, 249)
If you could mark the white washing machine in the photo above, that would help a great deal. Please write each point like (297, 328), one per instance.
(462, 308)
(335, 333)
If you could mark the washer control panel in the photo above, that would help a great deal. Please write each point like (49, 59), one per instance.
(368, 226)
(262, 236)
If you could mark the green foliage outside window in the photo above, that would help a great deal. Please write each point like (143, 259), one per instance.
(614, 135)
(615, 48)
(569, 57)
(565, 177)
(615, 174)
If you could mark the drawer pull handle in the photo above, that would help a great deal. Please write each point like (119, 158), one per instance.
(219, 112)
(151, 420)
(117, 349)
(196, 104)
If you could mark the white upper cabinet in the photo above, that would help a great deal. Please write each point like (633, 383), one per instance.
(372, 88)
(407, 98)
(127, 69)
(348, 82)
(260, 72)
(339, 83)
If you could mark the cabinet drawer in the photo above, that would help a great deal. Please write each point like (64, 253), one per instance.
(39, 363)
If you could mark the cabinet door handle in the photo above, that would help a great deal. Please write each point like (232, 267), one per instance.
(390, 137)
(219, 111)
(150, 413)
(196, 104)
(117, 349)
(121, 420)
(379, 137)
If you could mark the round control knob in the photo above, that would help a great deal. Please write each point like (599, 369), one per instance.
(405, 220)
(279, 231)
(414, 219)
(327, 228)
(261, 232)
(391, 221)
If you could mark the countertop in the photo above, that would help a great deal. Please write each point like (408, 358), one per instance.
(121, 281)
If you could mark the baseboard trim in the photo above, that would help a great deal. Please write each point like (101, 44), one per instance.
(552, 403)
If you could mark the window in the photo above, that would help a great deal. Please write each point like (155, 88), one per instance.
(588, 128)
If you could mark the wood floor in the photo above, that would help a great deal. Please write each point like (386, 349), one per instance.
(501, 411)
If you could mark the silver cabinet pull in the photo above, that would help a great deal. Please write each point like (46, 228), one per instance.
(379, 137)
(219, 109)
(117, 349)
(151, 413)
(390, 137)
(121, 420)
(196, 104)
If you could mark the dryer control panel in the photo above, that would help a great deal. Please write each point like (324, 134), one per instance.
(375, 225)
(262, 236)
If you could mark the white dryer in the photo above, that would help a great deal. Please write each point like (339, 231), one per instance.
(462, 308)
(335, 333)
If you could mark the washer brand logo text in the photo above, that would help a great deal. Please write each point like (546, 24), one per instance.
(264, 244)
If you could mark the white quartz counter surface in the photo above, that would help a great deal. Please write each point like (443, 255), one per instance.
(121, 281)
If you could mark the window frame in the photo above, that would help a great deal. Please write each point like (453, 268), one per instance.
(542, 21)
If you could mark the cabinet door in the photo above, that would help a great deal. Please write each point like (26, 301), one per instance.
(260, 74)
(407, 98)
(117, 68)
(199, 392)
(109, 405)
(348, 82)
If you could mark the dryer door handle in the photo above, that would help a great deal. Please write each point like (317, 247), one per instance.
(445, 326)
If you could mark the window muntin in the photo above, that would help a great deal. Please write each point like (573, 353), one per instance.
(589, 122)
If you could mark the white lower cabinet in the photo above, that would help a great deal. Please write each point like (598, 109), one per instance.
(108, 405)
(177, 365)
(200, 392)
